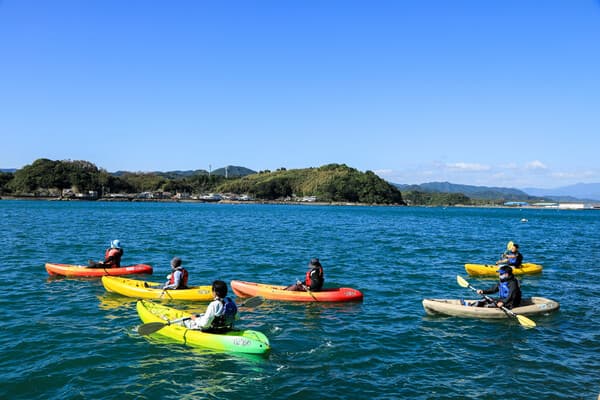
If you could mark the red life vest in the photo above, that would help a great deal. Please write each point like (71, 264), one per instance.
(112, 257)
(308, 281)
(184, 279)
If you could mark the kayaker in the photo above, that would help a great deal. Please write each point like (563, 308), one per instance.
(314, 278)
(220, 314)
(112, 256)
(178, 278)
(512, 256)
(508, 288)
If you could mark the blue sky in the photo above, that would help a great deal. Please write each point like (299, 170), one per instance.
(495, 93)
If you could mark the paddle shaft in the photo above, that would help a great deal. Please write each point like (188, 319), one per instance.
(309, 292)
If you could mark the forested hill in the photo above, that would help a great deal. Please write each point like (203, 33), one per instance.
(332, 183)
(229, 171)
(329, 183)
(473, 192)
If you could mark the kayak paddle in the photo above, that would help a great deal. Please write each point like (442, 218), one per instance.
(523, 320)
(309, 292)
(151, 327)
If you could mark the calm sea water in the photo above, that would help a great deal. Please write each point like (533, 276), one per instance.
(69, 339)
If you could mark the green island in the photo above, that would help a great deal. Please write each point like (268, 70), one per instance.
(331, 184)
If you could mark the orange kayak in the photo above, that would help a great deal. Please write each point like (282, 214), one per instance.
(274, 292)
(83, 271)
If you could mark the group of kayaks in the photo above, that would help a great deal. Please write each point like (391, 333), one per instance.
(164, 318)
(152, 313)
(529, 306)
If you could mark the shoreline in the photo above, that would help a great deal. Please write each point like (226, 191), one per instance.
(594, 206)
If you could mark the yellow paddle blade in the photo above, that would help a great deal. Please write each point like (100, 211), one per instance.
(461, 281)
(526, 322)
(509, 245)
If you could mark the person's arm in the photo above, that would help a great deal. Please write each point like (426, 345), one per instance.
(206, 319)
(491, 290)
(176, 279)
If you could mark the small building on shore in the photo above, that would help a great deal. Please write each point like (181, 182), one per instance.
(516, 204)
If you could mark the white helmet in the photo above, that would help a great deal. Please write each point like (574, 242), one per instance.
(115, 244)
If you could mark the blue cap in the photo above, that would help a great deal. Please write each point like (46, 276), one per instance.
(505, 268)
(115, 244)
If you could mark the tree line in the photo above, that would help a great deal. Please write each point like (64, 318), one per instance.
(46, 177)
(329, 183)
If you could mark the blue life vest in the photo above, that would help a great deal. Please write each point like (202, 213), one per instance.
(503, 290)
(224, 322)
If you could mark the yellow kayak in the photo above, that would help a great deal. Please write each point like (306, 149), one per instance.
(153, 290)
(490, 269)
(235, 341)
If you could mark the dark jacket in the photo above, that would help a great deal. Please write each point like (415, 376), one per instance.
(315, 279)
(513, 296)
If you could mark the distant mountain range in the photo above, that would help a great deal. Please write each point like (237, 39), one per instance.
(578, 192)
(474, 192)
(231, 171)
(582, 191)
(8, 170)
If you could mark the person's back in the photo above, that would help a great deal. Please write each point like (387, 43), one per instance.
(224, 318)
(178, 278)
(112, 256)
(315, 277)
(220, 313)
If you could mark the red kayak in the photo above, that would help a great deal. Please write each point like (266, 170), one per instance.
(82, 270)
(274, 292)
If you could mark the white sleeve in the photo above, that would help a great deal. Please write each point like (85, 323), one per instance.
(207, 318)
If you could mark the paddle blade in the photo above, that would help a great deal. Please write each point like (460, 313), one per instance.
(150, 327)
(526, 322)
(461, 281)
(253, 302)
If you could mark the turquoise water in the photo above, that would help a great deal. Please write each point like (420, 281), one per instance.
(69, 339)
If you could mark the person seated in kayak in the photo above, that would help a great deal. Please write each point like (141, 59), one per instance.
(178, 278)
(112, 256)
(220, 314)
(512, 256)
(508, 288)
(314, 278)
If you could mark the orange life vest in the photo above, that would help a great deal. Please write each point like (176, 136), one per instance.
(319, 278)
(112, 257)
(184, 278)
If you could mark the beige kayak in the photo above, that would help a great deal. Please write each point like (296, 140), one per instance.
(453, 307)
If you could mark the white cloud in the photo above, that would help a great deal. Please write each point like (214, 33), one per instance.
(536, 164)
(462, 166)
(576, 175)
(383, 172)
